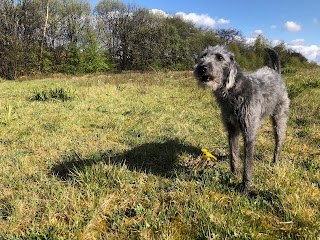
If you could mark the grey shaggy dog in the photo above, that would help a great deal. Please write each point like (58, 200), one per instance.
(245, 100)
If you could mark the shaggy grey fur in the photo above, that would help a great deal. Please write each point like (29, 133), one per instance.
(245, 100)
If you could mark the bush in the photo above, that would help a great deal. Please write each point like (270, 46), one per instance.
(54, 94)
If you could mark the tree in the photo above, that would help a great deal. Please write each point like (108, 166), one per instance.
(282, 51)
(44, 35)
(259, 49)
(107, 14)
(20, 36)
(93, 59)
(72, 40)
(229, 35)
(8, 40)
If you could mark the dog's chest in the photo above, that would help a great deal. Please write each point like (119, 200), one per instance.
(232, 109)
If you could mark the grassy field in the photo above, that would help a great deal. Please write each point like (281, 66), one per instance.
(118, 157)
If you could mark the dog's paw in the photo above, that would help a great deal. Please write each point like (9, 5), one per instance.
(246, 188)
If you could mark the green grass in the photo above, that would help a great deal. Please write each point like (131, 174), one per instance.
(53, 94)
(121, 160)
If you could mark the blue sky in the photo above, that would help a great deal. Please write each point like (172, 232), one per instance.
(297, 23)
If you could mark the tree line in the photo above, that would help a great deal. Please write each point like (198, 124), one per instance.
(69, 36)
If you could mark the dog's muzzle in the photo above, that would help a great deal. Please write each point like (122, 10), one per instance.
(203, 73)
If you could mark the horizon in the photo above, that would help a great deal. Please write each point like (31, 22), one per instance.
(289, 22)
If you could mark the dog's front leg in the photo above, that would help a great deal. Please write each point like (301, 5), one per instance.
(233, 135)
(249, 143)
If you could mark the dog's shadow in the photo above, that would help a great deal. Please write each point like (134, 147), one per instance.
(158, 158)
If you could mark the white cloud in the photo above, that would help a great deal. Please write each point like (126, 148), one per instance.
(159, 12)
(292, 26)
(222, 21)
(273, 26)
(297, 42)
(315, 21)
(202, 20)
(312, 52)
(276, 42)
(250, 41)
(257, 32)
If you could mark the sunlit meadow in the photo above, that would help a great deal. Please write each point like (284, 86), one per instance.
(118, 156)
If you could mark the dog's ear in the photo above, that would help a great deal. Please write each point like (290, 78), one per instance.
(196, 58)
(232, 73)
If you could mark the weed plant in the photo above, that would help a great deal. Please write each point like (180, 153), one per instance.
(53, 94)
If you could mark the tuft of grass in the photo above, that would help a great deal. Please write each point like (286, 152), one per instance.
(8, 113)
(53, 94)
(289, 70)
(5, 209)
(124, 162)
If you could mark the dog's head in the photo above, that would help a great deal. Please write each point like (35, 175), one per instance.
(216, 68)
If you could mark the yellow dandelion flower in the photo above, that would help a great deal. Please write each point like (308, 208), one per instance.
(207, 155)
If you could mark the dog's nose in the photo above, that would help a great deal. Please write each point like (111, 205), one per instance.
(202, 69)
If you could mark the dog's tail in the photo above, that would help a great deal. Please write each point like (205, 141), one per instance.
(274, 59)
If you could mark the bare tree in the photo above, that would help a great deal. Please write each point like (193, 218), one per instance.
(229, 35)
(44, 34)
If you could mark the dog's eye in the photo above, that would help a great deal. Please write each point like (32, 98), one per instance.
(204, 55)
(219, 57)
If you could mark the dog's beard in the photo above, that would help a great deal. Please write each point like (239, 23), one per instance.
(211, 84)
(205, 78)
(208, 81)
